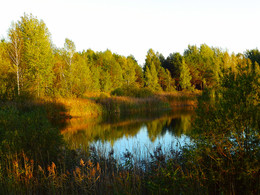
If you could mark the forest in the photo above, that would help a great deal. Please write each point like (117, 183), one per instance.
(42, 87)
(32, 65)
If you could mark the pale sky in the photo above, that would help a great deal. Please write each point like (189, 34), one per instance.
(133, 26)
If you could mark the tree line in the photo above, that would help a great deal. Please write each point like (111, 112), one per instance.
(31, 64)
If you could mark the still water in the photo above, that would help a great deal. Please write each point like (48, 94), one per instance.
(138, 134)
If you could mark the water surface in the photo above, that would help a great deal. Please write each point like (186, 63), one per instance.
(138, 134)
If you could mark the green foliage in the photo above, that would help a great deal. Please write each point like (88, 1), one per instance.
(227, 134)
(69, 50)
(253, 55)
(7, 75)
(95, 86)
(173, 63)
(26, 128)
(185, 77)
(36, 63)
(106, 83)
(80, 77)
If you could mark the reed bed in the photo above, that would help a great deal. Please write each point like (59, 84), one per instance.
(164, 172)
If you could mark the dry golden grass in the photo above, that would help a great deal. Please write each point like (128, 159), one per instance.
(78, 107)
(96, 104)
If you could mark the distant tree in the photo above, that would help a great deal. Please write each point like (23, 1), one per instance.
(161, 58)
(153, 64)
(70, 49)
(81, 76)
(226, 61)
(139, 78)
(128, 66)
(60, 78)
(148, 77)
(95, 87)
(154, 76)
(185, 77)
(254, 56)
(169, 82)
(173, 63)
(106, 82)
(151, 57)
(116, 75)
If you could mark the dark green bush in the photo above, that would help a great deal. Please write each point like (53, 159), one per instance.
(26, 128)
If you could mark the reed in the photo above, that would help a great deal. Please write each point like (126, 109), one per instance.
(175, 171)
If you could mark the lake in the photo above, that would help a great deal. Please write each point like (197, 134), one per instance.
(138, 134)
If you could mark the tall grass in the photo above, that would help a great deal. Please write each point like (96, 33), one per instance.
(80, 107)
(172, 172)
(126, 105)
(94, 105)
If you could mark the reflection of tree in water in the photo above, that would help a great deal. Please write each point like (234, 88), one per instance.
(177, 126)
(100, 132)
(82, 133)
(154, 128)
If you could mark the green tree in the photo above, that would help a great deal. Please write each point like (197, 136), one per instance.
(7, 74)
(129, 71)
(69, 49)
(37, 55)
(152, 64)
(60, 77)
(173, 63)
(254, 56)
(148, 77)
(81, 76)
(116, 76)
(95, 79)
(106, 83)
(14, 49)
(68, 53)
(185, 77)
(169, 82)
(151, 78)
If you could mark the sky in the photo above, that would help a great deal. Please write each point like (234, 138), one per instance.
(132, 27)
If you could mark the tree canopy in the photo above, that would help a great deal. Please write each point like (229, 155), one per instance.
(31, 64)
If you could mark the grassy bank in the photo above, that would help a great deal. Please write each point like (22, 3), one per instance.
(104, 104)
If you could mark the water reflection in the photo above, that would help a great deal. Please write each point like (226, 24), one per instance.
(136, 133)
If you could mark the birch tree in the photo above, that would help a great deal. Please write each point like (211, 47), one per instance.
(14, 51)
